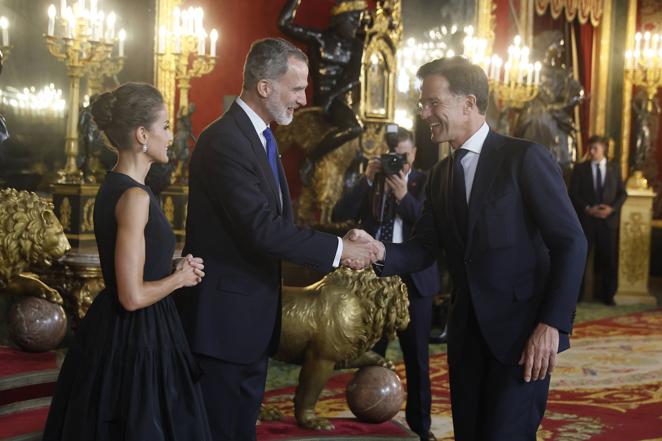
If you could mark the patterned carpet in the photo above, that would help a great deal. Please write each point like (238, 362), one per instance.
(608, 387)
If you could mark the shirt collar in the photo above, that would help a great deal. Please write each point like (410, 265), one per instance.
(475, 142)
(601, 162)
(257, 121)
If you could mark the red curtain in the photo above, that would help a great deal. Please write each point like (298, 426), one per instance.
(584, 34)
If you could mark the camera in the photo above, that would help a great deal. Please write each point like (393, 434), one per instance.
(392, 162)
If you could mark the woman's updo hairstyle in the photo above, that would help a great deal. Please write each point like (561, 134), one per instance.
(120, 111)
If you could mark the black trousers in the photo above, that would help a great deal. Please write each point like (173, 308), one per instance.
(604, 242)
(233, 394)
(490, 400)
(414, 343)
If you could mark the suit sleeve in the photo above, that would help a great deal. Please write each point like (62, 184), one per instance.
(350, 205)
(419, 252)
(233, 182)
(546, 199)
(411, 207)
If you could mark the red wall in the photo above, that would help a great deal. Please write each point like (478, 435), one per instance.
(240, 23)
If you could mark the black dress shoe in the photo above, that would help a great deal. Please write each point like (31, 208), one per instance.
(439, 337)
(429, 437)
(609, 302)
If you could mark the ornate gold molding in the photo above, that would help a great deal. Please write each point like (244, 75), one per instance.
(163, 78)
(485, 22)
(626, 120)
(583, 10)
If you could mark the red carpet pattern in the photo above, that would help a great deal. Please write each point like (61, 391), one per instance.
(608, 387)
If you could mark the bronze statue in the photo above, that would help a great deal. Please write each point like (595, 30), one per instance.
(645, 131)
(332, 324)
(93, 145)
(30, 237)
(180, 144)
(548, 118)
(335, 64)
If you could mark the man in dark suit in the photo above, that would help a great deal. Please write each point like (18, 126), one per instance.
(499, 209)
(597, 192)
(404, 203)
(240, 222)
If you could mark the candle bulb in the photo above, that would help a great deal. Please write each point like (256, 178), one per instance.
(51, 20)
(63, 8)
(4, 24)
(101, 19)
(93, 9)
(654, 41)
(506, 72)
(637, 41)
(212, 43)
(110, 22)
(529, 75)
(202, 38)
(537, 67)
(178, 41)
(647, 41)
(122, 37)
(628, 59)
(71, 22)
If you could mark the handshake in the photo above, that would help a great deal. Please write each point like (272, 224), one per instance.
(360, 250)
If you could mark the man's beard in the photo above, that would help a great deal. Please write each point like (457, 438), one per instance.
(278, 112)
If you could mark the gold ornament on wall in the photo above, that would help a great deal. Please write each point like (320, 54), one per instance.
(634, 254)
(169, 209)
(88, 216)
(584, 10)
(65, 214)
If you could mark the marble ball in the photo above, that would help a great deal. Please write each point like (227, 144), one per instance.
(375, 394)
(36, 325)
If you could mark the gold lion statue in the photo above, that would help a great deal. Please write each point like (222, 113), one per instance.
(332, 324)
(30, 236)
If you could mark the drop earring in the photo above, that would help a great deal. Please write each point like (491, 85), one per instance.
(145, 148)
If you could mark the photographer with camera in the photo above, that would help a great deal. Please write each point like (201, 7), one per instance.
(386, 202)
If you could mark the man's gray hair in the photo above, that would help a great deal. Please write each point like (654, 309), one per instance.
(267, 60)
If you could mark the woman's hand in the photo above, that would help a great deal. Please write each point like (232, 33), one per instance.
(189, 269)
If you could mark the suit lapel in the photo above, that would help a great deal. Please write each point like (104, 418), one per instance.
(489, 163)
(248, 129)
(286, 207)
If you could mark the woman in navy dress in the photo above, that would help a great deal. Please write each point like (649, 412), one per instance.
(129, 374)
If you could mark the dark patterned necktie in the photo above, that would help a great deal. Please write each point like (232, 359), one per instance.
(386, 230)
(459, 193)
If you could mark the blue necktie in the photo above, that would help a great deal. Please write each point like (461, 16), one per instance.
(272, 154)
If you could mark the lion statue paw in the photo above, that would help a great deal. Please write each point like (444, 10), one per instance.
(270, 413)
(313, 422)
